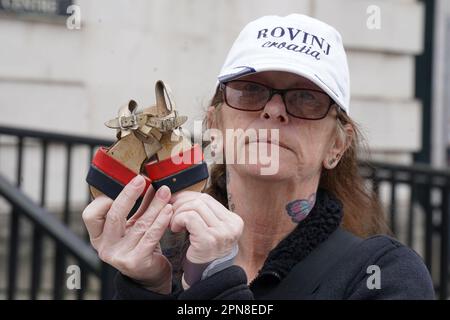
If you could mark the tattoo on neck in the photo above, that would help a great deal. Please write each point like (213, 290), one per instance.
(300, 209)
(231, 205)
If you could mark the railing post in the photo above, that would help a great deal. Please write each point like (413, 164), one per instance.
(393, 205)
(58, 275)
(444, 274)
(411, 212)
(375, 182)
(14, 237)
(13, 249)
(36, 264)
(428, 211)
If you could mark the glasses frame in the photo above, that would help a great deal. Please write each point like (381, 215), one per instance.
(272, 92)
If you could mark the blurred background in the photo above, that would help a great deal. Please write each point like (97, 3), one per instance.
(66, 67)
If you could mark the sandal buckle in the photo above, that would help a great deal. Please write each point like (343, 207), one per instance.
(128, 122)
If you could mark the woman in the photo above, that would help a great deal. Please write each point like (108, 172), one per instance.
(308, 231)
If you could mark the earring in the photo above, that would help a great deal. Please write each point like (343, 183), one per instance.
(331, 161)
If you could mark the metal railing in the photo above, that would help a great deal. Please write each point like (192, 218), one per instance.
(416, 198)
(425, 210)
(46, 225)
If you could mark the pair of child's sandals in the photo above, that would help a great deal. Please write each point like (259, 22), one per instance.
(149, 143)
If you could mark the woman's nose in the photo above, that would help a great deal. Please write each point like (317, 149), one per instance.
(275, 110)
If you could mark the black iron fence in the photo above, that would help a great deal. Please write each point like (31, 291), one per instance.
(67, 239)
(416, 199)
(424, 209)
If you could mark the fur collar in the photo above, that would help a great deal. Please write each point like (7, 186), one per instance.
(324, 218)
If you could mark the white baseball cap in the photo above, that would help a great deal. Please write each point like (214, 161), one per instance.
(295, 43)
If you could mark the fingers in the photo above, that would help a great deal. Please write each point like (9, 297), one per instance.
(148, 217)
(120, 208)
(178, 199)
(148, 197)
(214, 206)
(94, 216)
(183, 195)
(213, 229)
(200, 207)
(190, 221)
(151, 237)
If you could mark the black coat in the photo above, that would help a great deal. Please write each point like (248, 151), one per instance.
(403, 273)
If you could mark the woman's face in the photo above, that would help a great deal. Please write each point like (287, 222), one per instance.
(304, 145)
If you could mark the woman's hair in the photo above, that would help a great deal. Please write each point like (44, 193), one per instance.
(363, 214)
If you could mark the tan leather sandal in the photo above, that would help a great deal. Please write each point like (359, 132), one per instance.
(153, 134)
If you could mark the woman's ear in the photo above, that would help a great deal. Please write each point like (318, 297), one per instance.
(343, 141)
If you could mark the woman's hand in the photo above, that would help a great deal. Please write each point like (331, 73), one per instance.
(133, 246)
(213, 229)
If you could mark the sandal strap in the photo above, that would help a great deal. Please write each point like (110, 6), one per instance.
(162, 91)
(108, 186)
(184, 178)
(157, 170)
(150, 124)
(167, 123)
(115, 169)
(131, 122)
(136, 121)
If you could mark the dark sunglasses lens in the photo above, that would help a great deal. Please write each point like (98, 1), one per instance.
(246, 95)
(307, 104)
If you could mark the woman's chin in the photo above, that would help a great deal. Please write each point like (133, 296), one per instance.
(265, 171)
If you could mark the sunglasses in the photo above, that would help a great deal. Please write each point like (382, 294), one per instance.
(300, 103)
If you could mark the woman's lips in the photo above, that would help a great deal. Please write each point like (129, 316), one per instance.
(268, 141)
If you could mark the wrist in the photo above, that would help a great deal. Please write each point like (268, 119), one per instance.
(194, 272)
